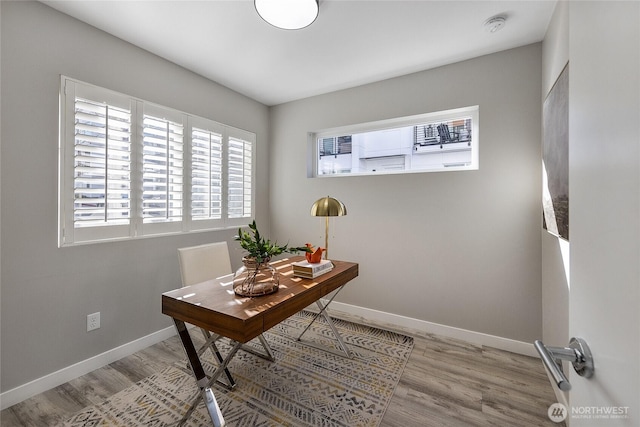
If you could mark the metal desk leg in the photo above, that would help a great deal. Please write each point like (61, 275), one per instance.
(323, 311)
(210, 343)
(203, 382)
(213, 408)
(190, 350)
(266, 354)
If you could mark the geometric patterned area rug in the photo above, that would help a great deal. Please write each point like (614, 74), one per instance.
(304, 386)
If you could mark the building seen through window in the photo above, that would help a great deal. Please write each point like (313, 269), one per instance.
(430, 142)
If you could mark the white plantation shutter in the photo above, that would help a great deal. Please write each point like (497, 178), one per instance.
(162, 165)
(240, 186)
(206, 174)
(102, 179)
(129, 168)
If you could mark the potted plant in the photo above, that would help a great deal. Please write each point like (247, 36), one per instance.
(256, 277)
(261, 249)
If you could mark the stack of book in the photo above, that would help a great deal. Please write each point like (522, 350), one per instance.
(310, 271)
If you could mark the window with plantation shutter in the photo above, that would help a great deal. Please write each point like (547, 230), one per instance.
(162, 165)
(102, 164)
(206, 174)
(130, 169)
(239, 173)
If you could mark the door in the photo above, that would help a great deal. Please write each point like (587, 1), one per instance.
(604, 157)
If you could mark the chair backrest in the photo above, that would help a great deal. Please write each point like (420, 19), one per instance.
(204, 262)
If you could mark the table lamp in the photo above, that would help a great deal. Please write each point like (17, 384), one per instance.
(326, 207)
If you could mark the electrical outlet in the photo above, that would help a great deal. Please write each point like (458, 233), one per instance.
(93, 321)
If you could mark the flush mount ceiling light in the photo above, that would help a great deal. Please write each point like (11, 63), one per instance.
(288, 14)
(494, 24)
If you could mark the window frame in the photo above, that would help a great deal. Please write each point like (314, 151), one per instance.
(69, 234)
(315, 138)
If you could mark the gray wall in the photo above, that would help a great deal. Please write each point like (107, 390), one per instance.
(47, 292)
(455, 248)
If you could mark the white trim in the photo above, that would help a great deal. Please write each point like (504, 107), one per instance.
(37, 386)
(389, 320)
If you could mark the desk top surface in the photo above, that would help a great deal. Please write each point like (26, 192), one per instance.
(214, 306)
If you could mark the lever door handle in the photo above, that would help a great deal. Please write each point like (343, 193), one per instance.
(578, 353)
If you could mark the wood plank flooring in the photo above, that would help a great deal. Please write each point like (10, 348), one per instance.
(445, 383)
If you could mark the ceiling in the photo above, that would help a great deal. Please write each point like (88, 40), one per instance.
(352, 42)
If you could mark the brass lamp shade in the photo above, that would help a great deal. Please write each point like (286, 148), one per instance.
(326, 207)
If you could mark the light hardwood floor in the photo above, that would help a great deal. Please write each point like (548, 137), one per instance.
(445, 383)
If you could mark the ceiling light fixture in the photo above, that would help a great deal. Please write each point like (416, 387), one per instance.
(288, 14)
(494, 24)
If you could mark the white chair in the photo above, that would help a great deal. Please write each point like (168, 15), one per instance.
(205, 262)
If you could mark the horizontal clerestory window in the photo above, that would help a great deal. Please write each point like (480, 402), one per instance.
(130, 169)
(444, 140)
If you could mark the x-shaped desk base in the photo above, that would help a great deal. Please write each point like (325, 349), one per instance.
(344, 351)
(205, 382)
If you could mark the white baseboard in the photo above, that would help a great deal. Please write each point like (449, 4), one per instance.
(421, 326)
(367, 315)
(37, 386)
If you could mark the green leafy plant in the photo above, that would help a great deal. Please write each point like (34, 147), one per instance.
(262, 249)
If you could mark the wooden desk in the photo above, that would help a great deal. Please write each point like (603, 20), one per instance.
(212, 305)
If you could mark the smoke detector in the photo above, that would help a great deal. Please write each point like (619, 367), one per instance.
(494, 24)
